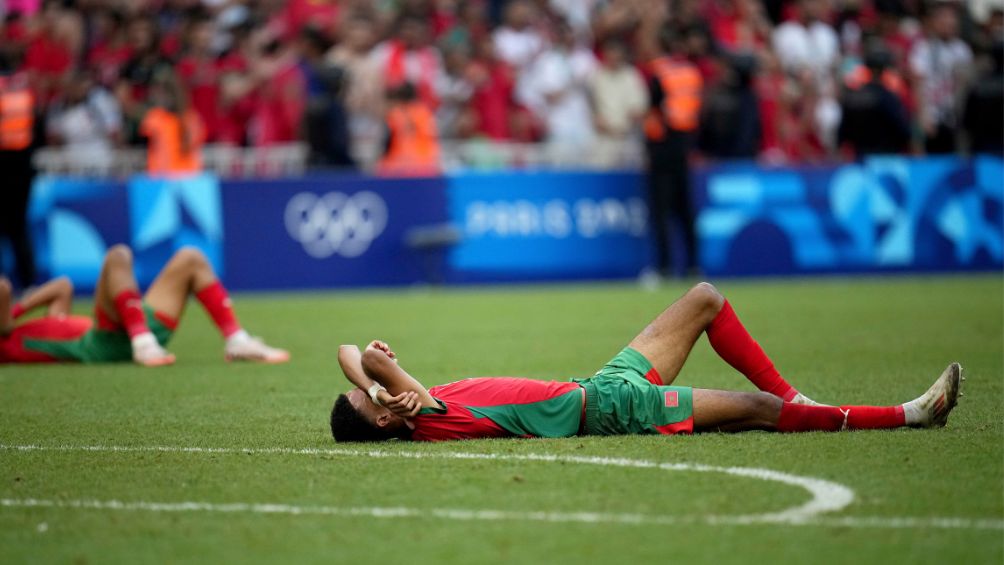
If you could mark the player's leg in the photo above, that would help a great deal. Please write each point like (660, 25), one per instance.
(56, 296)
(189, 272)
(732, 411)
(727, 411)
(731, 341)
(118, 306)
(667, 341)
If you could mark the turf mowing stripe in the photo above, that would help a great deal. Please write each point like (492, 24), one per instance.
(498, 515)
(826, 496)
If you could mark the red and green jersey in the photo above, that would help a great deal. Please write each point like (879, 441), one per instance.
(78, 338)
(500, 407)
(35, 341)
(626, 396)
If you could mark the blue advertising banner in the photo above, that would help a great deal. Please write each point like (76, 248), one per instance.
(167, 214)
(327, 230)
(886, 214)
(74, 221)
(541, 225)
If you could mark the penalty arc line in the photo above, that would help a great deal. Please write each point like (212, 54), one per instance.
(827, 496)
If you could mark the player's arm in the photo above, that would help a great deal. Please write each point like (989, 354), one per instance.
(404, 395)
(380, 364)
(56, 296)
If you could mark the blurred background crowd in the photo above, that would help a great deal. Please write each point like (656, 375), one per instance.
(374, 84)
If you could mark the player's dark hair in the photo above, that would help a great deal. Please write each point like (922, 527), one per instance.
(347, 424)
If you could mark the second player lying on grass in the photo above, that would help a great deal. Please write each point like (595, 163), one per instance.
(632, 394)
(127, 326)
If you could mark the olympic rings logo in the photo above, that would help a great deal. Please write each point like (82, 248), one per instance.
(335, 223)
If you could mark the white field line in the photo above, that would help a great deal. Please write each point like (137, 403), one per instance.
(466, 515)
(826, 496)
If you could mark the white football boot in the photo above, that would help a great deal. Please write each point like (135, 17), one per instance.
(243, 347)
(147, 352)
(931, 409)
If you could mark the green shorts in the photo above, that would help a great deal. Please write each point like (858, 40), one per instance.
(622, 398)
(102, 344)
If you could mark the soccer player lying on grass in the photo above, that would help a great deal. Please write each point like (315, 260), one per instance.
(632, 394)
(128, 327)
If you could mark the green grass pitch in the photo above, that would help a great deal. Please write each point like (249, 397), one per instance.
(838, 340)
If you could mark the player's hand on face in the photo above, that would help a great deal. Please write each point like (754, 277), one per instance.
(382, 346)
(405, 405)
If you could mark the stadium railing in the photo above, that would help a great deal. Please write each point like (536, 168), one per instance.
(227, 161)
(291, 160)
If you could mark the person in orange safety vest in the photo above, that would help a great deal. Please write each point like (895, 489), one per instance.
(174, 131)
(413, 140)
(675, 91)
(17, 136)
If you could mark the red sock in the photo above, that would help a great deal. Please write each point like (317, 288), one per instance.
(216, 302)
(875, 417)
(129, 306)
(734, 344)
(800, 418)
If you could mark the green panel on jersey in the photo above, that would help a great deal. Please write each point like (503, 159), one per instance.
(555, 417)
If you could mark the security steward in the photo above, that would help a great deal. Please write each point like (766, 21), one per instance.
(675, 90)
(17, 136)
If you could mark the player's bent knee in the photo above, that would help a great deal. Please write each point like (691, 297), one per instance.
(65, 284)
(707, 297)
(119, 254)
(190, 255)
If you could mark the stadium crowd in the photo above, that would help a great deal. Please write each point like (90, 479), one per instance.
(782, 81)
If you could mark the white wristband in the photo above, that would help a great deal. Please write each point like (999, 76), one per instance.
(377, 387)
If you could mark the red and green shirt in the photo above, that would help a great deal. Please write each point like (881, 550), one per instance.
(500, 407)
(34, 340)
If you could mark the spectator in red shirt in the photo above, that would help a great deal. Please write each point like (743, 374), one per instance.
(200, 73)
(738, 25)
(320, 14)
(409, 58)
(280, 95)
(50, 54)
(236, 96)
(492, 100)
